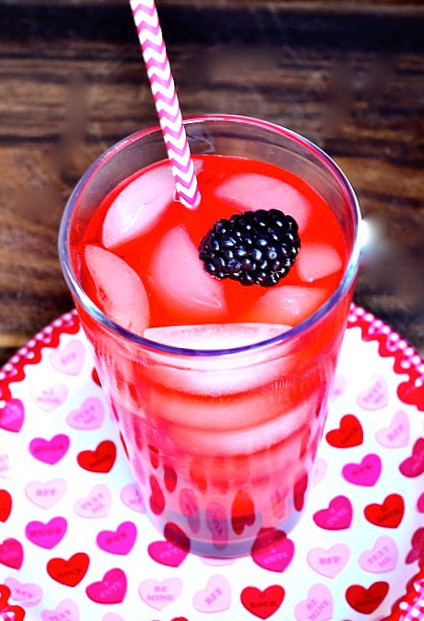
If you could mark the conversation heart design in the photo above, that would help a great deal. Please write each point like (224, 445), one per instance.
(349, 433)
(28, 594)
(111, 589)
(272, 550)
(132, 498)
(396, 435)
(387, 515)
(376, 396)
(7, 610)
(50, 451)
(382, 558)
(170, 478)
(329, 562)
(70, 571)
(5, 505)
(160, 595)
(417, 550)
(264, 603)
(69, 359)
(364, 600)
(89, 416)
(216, 597)
(366, 473)
(414, 466)
(50, 398)
(157, 498)
(242, 512)
(101, 459)
(337, 516)
(120, 541)
(11, 553)
(412, 392)
(96, 504)
(45, 495)
(189, 508)
(166, 553)
(66, 610)
(217, 523)
(12, 415)
(317, 606)
(46, 535)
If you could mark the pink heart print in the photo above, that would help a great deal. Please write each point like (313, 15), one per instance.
(366, 473)
(272, 550)
(11, 553)
(46, 535)
(396, 435)
(96, 504)
(383, 556)
(67, 610)
(166, 553)
(110, 590)
(132, 498)
(45, 495)
(12, 415)
(120, 541)
(376, 396)
(329, 563)
(216, 597)
(69, 359)
(28, 594)
(337, 516)
(89, 416)
(414, 466)
(50, 398)
(317, 606)
(160, 595)
(50, 451)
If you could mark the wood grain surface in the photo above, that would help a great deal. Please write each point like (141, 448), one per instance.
(349, 76)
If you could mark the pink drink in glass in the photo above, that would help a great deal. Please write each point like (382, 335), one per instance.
(220, 391)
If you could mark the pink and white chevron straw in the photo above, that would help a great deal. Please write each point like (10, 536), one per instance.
(166, 101)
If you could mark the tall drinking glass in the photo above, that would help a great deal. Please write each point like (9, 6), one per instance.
(221, 442)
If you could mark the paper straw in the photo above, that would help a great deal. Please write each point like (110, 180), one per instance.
(166, 101)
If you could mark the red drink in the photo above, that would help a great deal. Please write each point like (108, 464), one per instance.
(221, 442)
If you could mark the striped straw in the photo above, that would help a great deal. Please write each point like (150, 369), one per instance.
(166, 101)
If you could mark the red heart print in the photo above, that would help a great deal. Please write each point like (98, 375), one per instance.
(11, 553)
(170, 478)
(69, 572)
(414, 466)
(389, 514)
(417, 551)
(5, 505)
(365, 600)
(272, 550)
(412, 392)
(349, 433)
(264, 603)
(120, 541)
(111, 589)
(299, 492)
(338, 516)
(12, 415)
(99, 460)
(242, 512)
(95, 377)
(157, 499)
(177, 536)
(16, 613)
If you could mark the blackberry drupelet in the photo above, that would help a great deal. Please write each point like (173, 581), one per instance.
(253, 247)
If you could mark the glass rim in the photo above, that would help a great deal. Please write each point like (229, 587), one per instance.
(294, 332)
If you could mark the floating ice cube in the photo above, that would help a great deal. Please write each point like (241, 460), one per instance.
(215, 336)
(139, 206)
(252, 191)
(317, 260)
(289, 304)
(181, 283)
(119, 290)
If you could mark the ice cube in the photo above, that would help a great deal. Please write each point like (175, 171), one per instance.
(181, 283)
(215, 336)
(317, 260)
(289, 304)
(139, 206)
(118, 289)
(219, 374)
(252, 191)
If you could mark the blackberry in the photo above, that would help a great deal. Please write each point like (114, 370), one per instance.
(253, 247)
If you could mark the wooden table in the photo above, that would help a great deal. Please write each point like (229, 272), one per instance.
(348, 75)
